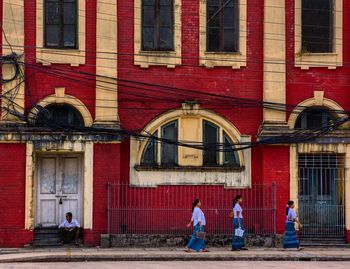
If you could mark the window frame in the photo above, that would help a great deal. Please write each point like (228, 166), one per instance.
(326, 117)
(306, 60)
(222, 28)
(330, 27)
(61, 26)
(156, 27)
(221, 133)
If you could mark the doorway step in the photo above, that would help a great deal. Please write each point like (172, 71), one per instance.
(46, 237)
(323, 242)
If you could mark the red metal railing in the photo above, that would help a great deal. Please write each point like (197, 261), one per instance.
(167, 209)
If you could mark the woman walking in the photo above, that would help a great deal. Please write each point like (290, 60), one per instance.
(291, 238)
(198, 220)
(238, 238)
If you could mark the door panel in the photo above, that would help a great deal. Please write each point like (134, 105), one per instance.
(321, 195)
(48, 212)
(59, 185)
(48, 176)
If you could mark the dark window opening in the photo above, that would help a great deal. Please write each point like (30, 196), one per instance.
(169, 147)
(222, 25)
(317, 26)
(61, 24)
(60, 116)
(210, 140)
(157, 25)
(314, 119)
(230, 155)
(151, 151)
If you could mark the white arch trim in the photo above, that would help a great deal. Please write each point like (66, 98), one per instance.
(328, 103)
(169, 116)
(207, 114)
(69, 100)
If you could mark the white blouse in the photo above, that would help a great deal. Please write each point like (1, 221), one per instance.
(198, 216)
(236, 209)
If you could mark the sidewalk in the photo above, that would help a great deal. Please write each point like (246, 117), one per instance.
(215, 254)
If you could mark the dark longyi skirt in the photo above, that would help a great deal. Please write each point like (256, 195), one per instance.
(290, 238)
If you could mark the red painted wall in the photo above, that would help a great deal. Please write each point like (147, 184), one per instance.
(275, 162)
(106, 169)
(246, 82)
(302, 83)
(41, 81)
(12, 196)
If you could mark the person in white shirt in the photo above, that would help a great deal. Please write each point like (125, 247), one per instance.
(238, 242)
(198, 221)
(69, 229)
(291, 238)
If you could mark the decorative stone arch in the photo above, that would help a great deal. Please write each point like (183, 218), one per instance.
(203, 114)
(190, 169)
(317, 100)
(61, 98)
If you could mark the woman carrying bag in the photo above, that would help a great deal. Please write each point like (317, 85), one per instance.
(291, 239)
(238, 238)
(197, 242)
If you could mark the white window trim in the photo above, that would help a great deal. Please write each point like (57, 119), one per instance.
(145, 59)
(236, 60)
(328, 60)
(48, 56)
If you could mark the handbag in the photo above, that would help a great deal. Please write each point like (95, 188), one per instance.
(239, 232)
(201, 235)
(231, 215)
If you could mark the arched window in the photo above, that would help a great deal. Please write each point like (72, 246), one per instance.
(61, 115)
(314, 118)
(219, 149)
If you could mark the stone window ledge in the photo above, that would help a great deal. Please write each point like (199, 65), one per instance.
(189, 168)
(146, 59)
(308, 60)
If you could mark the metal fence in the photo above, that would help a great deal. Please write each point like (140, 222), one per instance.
(167, 209)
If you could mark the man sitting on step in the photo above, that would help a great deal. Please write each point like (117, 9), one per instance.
(69, 229)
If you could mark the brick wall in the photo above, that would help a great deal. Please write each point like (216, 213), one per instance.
(106, 169)
(12, 195)
(42, 81)
(275, 162)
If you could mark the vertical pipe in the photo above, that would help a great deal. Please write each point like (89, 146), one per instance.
(274, 209)
(109, 207)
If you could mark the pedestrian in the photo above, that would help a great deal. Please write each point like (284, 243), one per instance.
(197, 242)
(291, 239)
(239, 233)
(69, 230)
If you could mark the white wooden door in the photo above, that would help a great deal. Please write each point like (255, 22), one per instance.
(59, 189)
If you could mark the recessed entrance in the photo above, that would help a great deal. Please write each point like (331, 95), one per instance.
(322, 195)
(59, 189)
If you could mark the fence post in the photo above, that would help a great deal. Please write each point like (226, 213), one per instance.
(274, 212)
(109, 207)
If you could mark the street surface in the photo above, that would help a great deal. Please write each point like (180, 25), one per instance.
(180, 265)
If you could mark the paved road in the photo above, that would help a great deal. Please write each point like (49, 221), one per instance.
(182, 265)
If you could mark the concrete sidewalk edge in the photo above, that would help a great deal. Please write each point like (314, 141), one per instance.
(172, 257)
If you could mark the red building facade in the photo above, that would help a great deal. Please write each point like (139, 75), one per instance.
(135, 79)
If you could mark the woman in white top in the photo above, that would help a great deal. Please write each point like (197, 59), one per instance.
(291, 238)
(198, 221)
(238, 242)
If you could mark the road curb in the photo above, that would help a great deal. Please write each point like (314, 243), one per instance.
(190, 257)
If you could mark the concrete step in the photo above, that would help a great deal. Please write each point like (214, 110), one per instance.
(323, 242)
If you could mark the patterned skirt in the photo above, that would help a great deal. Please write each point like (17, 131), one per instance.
(238, 242)
(195, 243)
(290, 238)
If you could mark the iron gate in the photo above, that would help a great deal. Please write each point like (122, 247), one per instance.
(322, 195)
